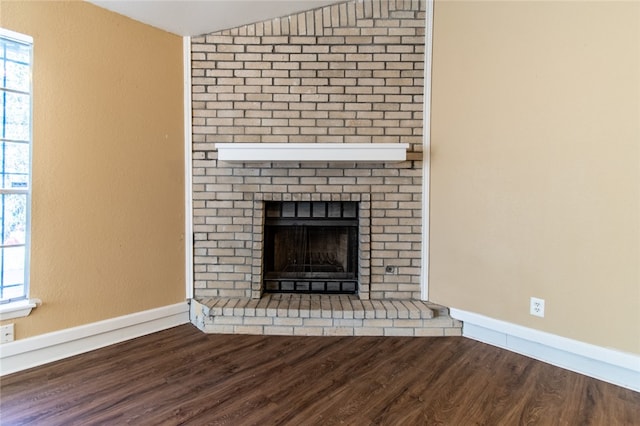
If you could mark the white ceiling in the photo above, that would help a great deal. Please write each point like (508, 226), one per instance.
(196, 17)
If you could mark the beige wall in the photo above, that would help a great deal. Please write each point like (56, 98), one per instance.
(535, 165)
(108, 185)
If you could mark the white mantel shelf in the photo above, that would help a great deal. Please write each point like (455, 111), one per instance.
(296, 152)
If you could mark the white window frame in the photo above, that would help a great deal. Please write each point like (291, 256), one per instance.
(22, 306)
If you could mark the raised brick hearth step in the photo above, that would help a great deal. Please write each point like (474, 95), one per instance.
(322, 315)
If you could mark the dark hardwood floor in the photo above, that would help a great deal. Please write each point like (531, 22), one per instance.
(182, 376)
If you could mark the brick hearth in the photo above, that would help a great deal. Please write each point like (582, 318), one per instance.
(323, 315)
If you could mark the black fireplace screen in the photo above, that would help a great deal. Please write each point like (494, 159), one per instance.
(311, 247)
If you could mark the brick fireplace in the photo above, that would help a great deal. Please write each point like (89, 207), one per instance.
(347, 73)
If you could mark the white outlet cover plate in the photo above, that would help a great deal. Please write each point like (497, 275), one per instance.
(537, 307)
(6, 333)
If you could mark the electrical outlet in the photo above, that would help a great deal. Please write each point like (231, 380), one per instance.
(537, 307)
(6, 333)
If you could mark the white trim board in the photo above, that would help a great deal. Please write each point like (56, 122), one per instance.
(188, 169)
(307, 152)
(609, 365)
(426, 148)
(49, 347)
(20, 308)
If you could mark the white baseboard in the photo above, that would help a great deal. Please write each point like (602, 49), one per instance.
(45, 348)
(609, 365)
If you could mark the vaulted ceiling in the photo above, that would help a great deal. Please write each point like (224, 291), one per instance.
(195, 17)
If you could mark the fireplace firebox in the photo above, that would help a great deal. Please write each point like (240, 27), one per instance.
(311, 247)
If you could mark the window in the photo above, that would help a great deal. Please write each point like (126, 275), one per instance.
(15, 165)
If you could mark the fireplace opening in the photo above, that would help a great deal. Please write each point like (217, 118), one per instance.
(311, 247)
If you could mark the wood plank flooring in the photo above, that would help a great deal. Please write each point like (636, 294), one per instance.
(182, 376)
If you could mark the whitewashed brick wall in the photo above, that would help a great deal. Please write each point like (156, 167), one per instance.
(351, 72)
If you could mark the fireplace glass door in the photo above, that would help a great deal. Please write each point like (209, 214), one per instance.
(311, 247)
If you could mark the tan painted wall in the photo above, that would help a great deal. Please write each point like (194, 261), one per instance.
(108, 185)
(535, 165)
